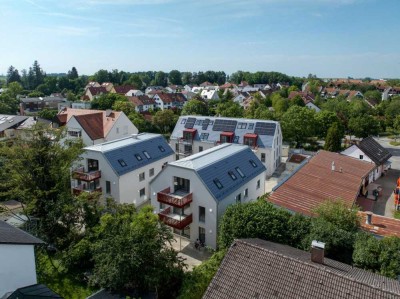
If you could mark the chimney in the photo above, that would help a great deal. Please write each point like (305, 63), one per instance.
(369, 218)
(317, 252)
(333, 166)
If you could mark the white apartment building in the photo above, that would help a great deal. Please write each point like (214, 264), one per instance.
(193, 134)
(122, 168)
(191, 195)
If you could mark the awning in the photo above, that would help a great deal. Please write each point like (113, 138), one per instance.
(227, 133)
(249, 135)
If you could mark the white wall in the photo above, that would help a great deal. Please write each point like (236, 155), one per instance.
(122, 127)
(355, 152)
(17, 267)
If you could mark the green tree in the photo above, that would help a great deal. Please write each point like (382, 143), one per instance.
(161, 79)
(141, 123)
(298, 124)
(363, 126)
(135, 81)
(373, 95)
(49, 114)
(13, 75)
(101, 76)
(132, 251)
(39, 74)
(229, 109)
(124, 106)
(333, 140)
(165, 120)
(325, 119)
(366, 253)
(297, 100)
(175, 77)
(8, 99)
(195, 107)
(106, 101)
(73, 74)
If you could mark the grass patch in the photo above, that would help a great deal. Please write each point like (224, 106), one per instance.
(396, 214)
(53, 275)
(395, 143)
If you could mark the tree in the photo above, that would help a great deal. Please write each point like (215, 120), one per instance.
(186, 78)
(161, 79)
(106, 101)
(298, 124)
(124, 106)
(229, 109)
(363, 126)
(101, 76)
(132, 251)
(297, 100)
(73, 74)
(195, 107)
(8, 99)
(165, 120)
(325, 119)
(141, 123)
(39, 75)
(135, 81)
(373, 95)
(333, 140)
(175, 77)
(13, 75)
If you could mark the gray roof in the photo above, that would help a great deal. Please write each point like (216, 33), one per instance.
(374, 150)
(43, 99)
(214, 126)
(12, 235)
(255, 268)
(37, 291)
(215, 163)
(10, 121)
(122, 153)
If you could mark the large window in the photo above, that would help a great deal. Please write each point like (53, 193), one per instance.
(202, 214)
(93, 165)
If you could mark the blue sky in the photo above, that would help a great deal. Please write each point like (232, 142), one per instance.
(330, 38)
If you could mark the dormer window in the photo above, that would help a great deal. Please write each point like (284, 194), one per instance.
(250, 139)
(227, 137)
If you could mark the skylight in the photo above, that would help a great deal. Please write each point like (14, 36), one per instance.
(160, 147)
(240, 172)
(122, 162)
(253, 163)
(138, 157)
(218, 183)
(146, 154)
(232, 175)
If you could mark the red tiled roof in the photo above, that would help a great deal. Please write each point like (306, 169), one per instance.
(141, 100)
(123, 89)
(315, 182)
(297, 158)
(97, 90)
(172, 97)
(380, 225)
(92, 124)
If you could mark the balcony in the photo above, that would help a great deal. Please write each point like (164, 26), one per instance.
(80, 174)
(175, 220)
(82, 188)
(178, 199)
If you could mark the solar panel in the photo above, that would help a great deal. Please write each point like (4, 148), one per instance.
(205, 124)
(190, 123)
(265, 128)
(225, 125)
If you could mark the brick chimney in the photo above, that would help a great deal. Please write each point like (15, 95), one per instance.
(317, 252)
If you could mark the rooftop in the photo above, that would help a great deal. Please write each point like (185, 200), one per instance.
(9, 121)
(374, 150)
(12, 235)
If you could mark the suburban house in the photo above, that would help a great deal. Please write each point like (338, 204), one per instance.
(134, 93)
(17, 258)
(307, 97)
(188, 95)
(8, 124)
(209, 94)
(92, 84)
(142, 103)
(371, 151)
(34, 105)
(94, 92)
(124, 90)
(193, 134)
(95, 126)
(191, 195)
(108, 85)
(174, 88)
(122, 168)
(254, 268)
(153, 88)
(169, 100)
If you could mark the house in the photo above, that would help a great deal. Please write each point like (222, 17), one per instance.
(227, 86)
(169, 100)
(108, 85)
(241, 97)
(92, 84)
(124, 90)
(209, 94)
(38, 291)
(192, 194)
(188, 95)
(17, 258)
(371, 151)
(94, 92)
(25, 129)
(193, 134)
(174, 88)
(254, 268)
(189, 87)
(34, 105)
(134, 93)
(122, 168)
(206, 84)
(142, 103)
(153, 88)
(95, 126)
(8, 124)
(325, 176)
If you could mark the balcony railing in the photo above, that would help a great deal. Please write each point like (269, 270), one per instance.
(81, 188)
(175, 200)
(80, 174)
(175, 220)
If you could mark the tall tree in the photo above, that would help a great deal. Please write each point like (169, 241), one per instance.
(165, 120)
(38, 73)
(13, 75)
(73, 73)
(195, 107)
(175, 77)
(333, 140)
(161, 79)
(363, 126)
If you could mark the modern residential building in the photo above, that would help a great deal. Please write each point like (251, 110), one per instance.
(142, 103)
(193, 134)
(17, 258)
(95, 126)
(191, 195)
(122, 168)
(169, 100)
(254, 268)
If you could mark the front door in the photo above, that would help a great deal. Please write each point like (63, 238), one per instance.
(202, 235)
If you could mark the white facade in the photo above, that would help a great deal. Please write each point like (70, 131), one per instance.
(311, 105)
(18, 268)
(209, 95)
(134, 93)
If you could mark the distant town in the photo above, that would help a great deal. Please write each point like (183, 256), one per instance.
(198, 185)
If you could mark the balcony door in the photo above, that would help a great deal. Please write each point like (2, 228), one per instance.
(181, 184)
(93, 165)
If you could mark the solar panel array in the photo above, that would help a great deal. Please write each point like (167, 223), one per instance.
(190, 123)
(265, 128)
(205, 123)
(225, 125)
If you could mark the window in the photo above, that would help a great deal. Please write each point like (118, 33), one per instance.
(218, 183)
(141, 177)
(138, 157)
(108, 187)
(238, 198)
(253, 163)
(204, 136)
(200, 148)
(177, 146)
(241, 125)
(263, 157)
(142, 192)
(251, 126)
(202, 214)
(246, 192)
(240, 172)
(183, 121)
(160, 147)
(258, 184)
(151, 172)
(117, 130)
(122, 162)
(236, 139)
(361, 157)
(146, 154)
(74, 133)
(232, 175)
(176, 157)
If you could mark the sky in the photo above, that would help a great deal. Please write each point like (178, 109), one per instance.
(329, 38)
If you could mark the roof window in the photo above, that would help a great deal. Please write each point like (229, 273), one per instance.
(146, 154)
(161, 148)
(232, 175)
(138, 157)
(218, 183)
(240, 172)
(122, 163)
(253, 163)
